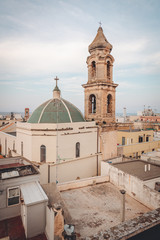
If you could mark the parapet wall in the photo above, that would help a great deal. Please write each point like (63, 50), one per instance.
(135, 187)
(129, 228)
(82, 183)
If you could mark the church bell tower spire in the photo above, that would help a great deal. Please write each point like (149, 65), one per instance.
(100, 88)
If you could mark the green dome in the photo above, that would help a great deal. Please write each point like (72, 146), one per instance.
(56, 110)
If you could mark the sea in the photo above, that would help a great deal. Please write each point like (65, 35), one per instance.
(9, 113)
(23, 114)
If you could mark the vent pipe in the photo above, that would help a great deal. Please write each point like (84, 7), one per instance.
(123, 192)
(145, 168)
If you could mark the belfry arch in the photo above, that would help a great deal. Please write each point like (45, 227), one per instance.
(93, 64)
(109, 103)
(92, 103)
(108, 70)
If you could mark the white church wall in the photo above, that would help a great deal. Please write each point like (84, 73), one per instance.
(49, 142)
(35, 135)
(67, 144)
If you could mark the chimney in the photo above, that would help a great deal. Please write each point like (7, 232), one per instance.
(124, 114)
(123, 192)
(145, 168)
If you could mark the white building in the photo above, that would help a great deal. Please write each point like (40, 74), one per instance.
(57, 132)
(22, 195)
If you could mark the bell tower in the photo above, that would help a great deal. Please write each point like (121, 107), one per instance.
(100, 88)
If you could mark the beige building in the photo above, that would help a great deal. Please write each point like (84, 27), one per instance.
(100, 91)
(134, 142)
(100, 88)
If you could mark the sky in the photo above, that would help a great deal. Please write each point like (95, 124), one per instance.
(43, 39)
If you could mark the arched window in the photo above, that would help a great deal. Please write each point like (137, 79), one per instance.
(43, 153)
(109, 103)
(92, 103)
(77, 149)
(108, 69)
(93, 69)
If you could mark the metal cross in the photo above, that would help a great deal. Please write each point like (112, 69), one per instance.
(56, 78)
(100, 24)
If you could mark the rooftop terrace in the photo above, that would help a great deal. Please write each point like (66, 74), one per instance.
(97, 208)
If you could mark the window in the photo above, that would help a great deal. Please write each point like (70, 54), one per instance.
(13, 196)
(140, 139)
(123, 140)
(109, 103)
(43, 153)
(21, 148)
(93, 69)
(147, 139)
(92, 103)
(108, 69)
(77, 149)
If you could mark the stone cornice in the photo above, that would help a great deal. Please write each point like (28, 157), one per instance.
(97, 84)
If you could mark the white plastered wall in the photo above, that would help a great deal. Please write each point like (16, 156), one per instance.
(10, 139)
(35, 135)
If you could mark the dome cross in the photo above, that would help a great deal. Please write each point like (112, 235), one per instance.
(100, 24)
(56, 79)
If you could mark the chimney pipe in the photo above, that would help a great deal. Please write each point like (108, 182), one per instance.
(123, 205)
(145, 168)
(124, 114)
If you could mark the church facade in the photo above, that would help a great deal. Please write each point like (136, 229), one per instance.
(57, 131)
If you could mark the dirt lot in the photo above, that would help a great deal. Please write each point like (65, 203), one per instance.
(95, 208)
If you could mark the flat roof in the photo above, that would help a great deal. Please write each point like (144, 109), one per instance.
(33, 193)
(8, 171)
(97, 208)
(137, 169)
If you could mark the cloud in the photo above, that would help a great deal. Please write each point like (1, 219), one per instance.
(22, 57)
(25, 89)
